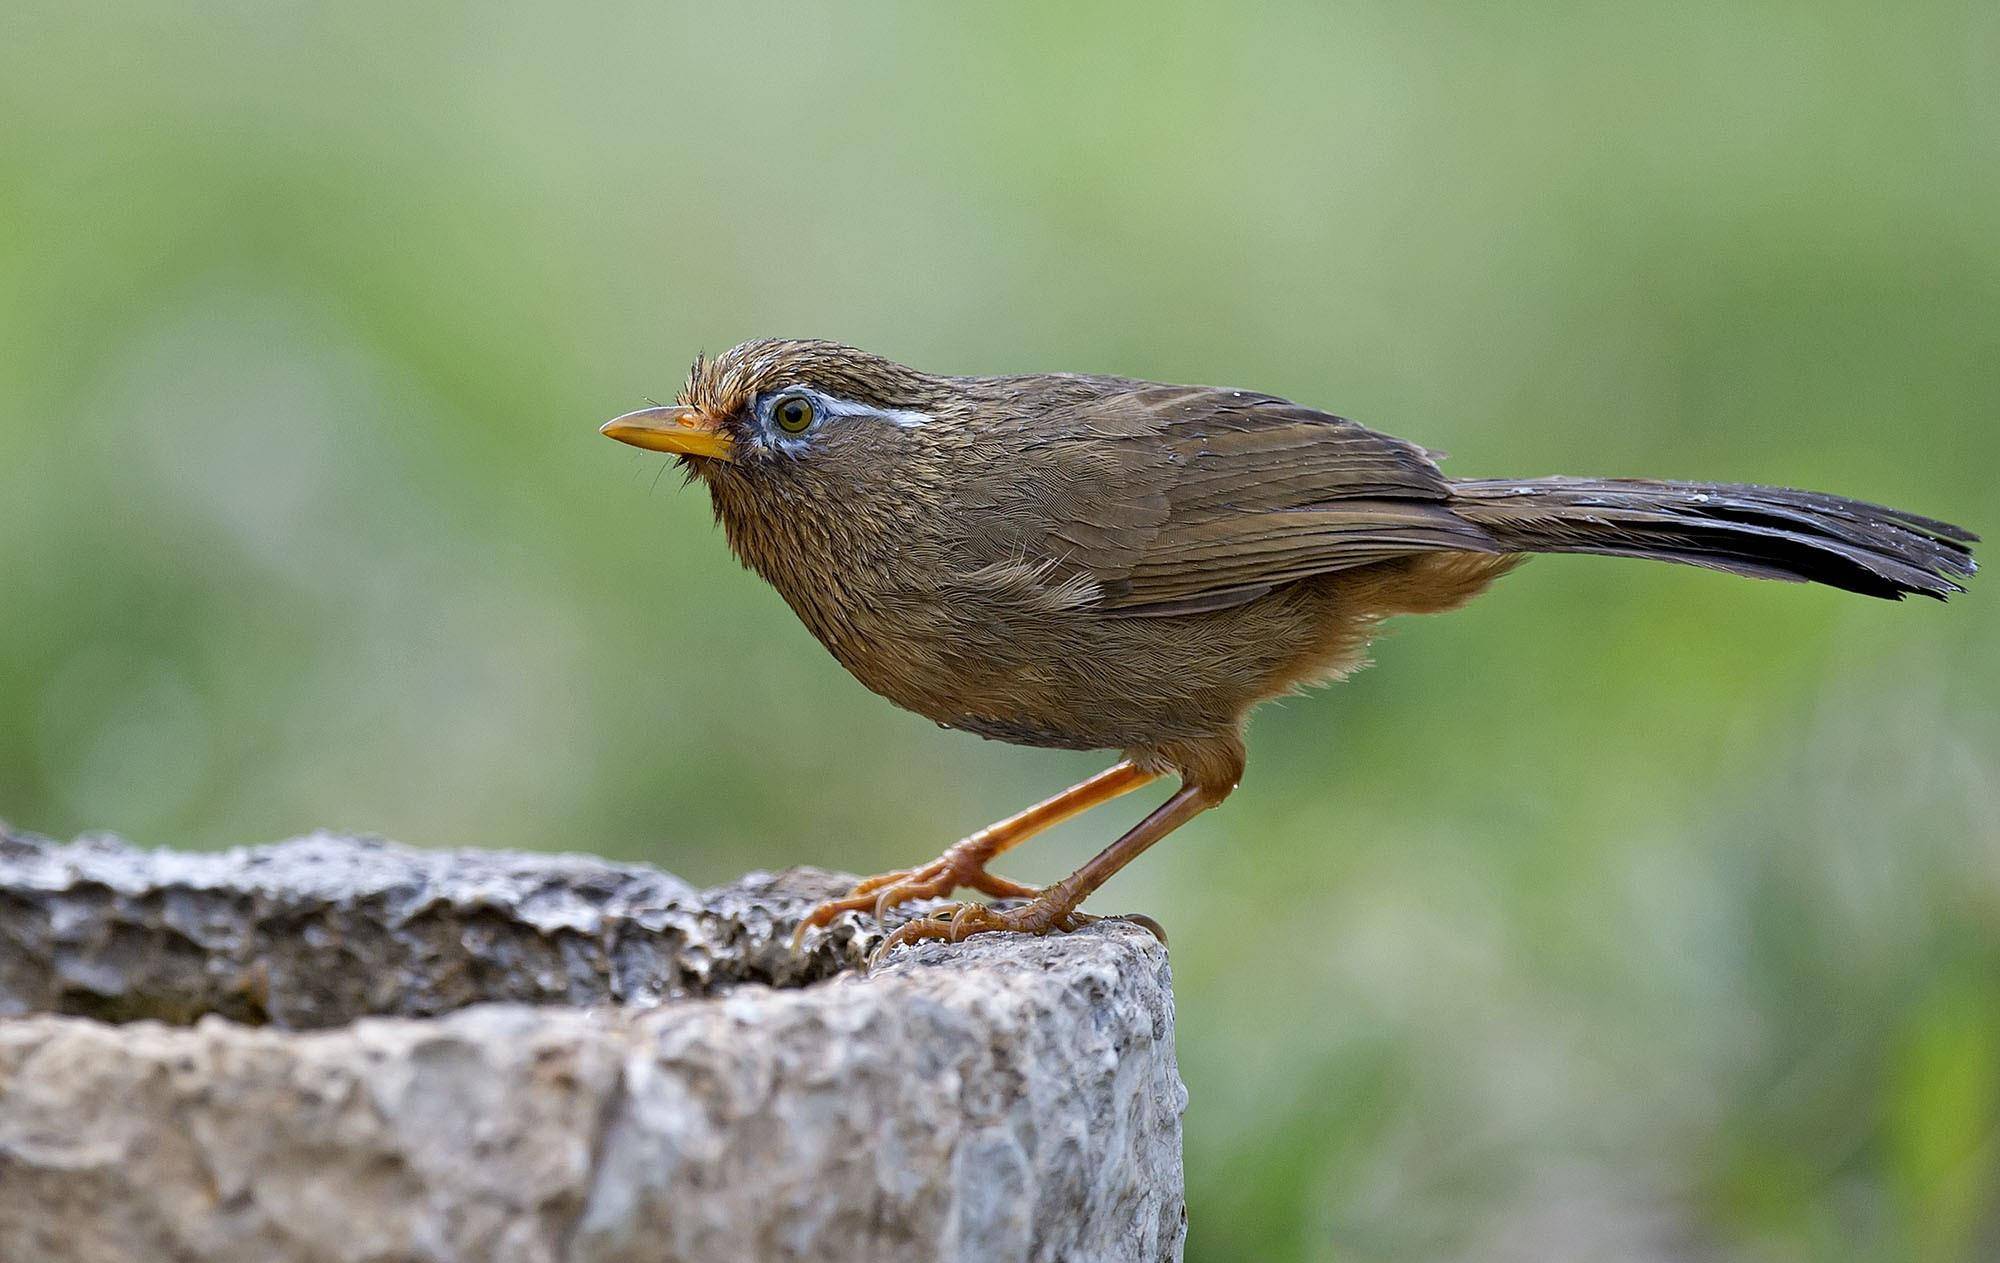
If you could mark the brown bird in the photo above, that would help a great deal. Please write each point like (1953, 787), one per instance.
(1093, 562)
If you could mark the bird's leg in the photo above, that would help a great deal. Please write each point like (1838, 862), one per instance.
(1056, 907)
(963, 864)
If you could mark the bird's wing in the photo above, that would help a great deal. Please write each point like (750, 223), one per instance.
(1176, 499)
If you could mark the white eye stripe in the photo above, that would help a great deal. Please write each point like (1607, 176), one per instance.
(900, 417)
(831, 407)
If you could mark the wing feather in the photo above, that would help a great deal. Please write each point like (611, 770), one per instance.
(1176, 499)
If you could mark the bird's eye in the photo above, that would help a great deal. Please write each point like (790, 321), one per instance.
(793, 413)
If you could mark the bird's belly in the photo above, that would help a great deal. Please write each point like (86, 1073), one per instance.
(1076, 679)
(959, 678)
(1026, 730)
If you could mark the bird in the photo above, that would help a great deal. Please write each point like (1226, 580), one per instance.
(1091, 562)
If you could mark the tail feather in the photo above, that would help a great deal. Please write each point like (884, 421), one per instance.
(1762, 532)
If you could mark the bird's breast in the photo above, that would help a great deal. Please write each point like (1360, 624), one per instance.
(998, 642)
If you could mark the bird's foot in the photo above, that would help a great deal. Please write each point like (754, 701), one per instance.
(1045, 915)
(961, 866)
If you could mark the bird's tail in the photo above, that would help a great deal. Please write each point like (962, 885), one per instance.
(1762, 532)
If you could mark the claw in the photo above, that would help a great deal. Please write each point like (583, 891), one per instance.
(1140, 919)
(912, 932)
(894, 893)
(879, 894)
(1144, 922)
(961, 921)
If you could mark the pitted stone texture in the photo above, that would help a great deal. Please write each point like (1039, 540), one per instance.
(324, 929)
(1007, 1098)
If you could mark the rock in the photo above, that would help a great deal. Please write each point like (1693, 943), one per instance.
(335, 1049)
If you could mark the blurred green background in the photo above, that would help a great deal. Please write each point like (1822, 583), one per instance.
(1633, 913)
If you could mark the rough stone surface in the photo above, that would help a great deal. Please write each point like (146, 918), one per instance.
(582, 1061)
(321, 930)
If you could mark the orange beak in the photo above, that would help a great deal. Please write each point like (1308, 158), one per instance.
(682, 431)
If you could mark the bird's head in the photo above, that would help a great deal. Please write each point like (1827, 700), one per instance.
(815, 454)
(772, 408)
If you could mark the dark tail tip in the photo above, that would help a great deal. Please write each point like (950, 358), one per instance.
(1762, 532)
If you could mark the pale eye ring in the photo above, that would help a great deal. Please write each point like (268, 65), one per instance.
(792, 413)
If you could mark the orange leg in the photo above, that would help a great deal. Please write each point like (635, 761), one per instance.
(1056, 907)
(964, 863)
